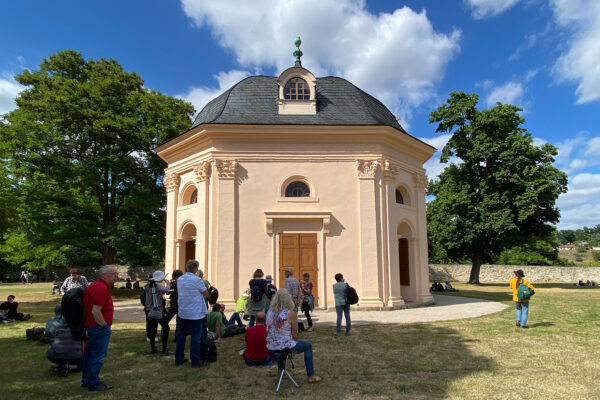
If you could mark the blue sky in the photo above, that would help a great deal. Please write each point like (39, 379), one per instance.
(542, 55)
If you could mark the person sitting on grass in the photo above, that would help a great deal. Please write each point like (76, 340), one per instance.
(10, 307)
(449, 288)
(282, 332)
(217, 323)
(256, 352)
(233, 320)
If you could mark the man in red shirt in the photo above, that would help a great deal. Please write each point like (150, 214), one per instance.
(98, 320)
(256, 343)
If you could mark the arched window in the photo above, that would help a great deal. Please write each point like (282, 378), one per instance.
(194, 197)
(399, 198)
(296, 89)
(297, 189)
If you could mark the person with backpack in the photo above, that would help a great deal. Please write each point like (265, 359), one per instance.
(522, 292)
(155, 311)
(99, 312)
(259, 302)
(341, 303)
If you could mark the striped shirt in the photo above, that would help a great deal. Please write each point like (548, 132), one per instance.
(190, 298)
(69, 284)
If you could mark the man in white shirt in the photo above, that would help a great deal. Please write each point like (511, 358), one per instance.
(191, 315)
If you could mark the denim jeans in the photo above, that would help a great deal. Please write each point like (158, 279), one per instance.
(195, 328)
(252, 320)
(346, 310)
(235, 319)
(522, 313)
(252, 363)
(97, 346)
(304, 346)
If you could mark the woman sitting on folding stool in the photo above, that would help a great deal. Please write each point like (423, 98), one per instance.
(282, 332)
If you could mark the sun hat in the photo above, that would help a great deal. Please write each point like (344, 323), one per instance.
(269, 278)
(519, 273)
(158, 276)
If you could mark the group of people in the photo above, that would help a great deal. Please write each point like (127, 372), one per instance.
(273, 315)
(586, 283)
(437, 287)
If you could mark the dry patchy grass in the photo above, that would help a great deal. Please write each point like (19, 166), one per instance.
(480, 358)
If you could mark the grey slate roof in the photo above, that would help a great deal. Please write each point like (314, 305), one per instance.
(253, 101)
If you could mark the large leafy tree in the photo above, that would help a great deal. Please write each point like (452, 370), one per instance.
(500, 192)
(86, 184)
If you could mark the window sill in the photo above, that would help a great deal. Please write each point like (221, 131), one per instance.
(298, 200)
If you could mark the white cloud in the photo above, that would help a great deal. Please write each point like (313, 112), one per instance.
(509, 93)
(488, 8)
(593, 147)
(200, 96)
(9, 89)
(397, 57)
(578, 153)
(539, 142)
(438, 141)
(579, 206)
(580, 62)
(512, 92)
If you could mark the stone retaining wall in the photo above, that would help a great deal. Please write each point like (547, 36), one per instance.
(89, 272)
(503, 273)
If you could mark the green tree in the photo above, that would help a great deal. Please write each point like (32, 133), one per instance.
(536, 251)
(85, 180)
(500, 193)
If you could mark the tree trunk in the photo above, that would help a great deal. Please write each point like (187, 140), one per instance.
(475, 267)
(48, 273)
(108, 254)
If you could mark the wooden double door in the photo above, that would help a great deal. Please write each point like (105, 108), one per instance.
(299, 251)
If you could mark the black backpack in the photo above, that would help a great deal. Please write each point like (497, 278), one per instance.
(256, 292)
(213, 295)
(74, 313)
(351, 295)
(208, 349)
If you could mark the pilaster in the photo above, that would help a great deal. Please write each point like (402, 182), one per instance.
(202, 171)
(391, 260)
(371, 277)
(225, 271)
(420, 247)
(171, 182)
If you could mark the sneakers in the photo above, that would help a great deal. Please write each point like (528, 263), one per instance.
(524, 327)
(154, 351)
(166, 352)
(517, 323)
(103, 388)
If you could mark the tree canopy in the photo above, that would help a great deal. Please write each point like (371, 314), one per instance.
(501, 190)
(84, 182)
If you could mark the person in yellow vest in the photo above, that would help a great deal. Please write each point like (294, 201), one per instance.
(521, 304)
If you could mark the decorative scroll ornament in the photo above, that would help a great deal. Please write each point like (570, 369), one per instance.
(226, 168)
(367, 168)
(421, 181)
(171, 182)
(390, 169)
(202, 171)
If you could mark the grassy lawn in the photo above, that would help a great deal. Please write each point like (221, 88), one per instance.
(479, 358)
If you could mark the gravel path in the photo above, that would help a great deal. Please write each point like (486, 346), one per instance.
(445, 308)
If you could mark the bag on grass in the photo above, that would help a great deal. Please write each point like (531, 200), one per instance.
(351, 295)
(208, 350)
(523, 292)
(34, 333)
